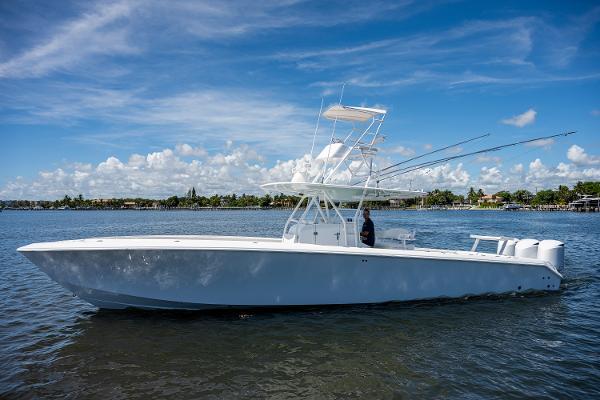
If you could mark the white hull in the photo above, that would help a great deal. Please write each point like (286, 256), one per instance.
(196, 272)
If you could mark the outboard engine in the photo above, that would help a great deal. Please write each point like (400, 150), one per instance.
(552, 251)
(527, 248)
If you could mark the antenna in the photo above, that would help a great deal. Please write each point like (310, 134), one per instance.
(312, 148)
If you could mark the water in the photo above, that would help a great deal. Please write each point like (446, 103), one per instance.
(53, 345)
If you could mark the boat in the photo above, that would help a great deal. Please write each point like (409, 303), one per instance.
(512, 207)
(319, 258)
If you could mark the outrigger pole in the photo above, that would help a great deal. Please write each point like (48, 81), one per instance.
(426, 154)
(410, 168)
(433, 152)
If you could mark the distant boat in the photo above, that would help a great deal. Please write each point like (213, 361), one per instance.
(319, 259)
(512, 207)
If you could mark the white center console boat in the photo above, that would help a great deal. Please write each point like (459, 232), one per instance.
(319, 260)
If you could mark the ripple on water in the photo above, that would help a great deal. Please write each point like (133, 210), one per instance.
(54, 346)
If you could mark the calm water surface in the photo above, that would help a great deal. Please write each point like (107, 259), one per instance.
(53, 345)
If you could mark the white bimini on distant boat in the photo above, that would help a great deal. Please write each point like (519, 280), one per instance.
(319, 260)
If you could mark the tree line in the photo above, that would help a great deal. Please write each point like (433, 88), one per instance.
(561, 196)
(190, 200)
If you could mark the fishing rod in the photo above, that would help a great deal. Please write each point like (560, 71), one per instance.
(405, 170)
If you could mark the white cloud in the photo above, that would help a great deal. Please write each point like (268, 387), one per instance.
(428, 146)
(186, 150)
(454, 150)
(158, 174)
(205, 115)
(230, 19)
(95, 33)
(595, 113)
(541, 176)
(445, 176)
(580, 157)
(403, 151)
(123, 27)
(163, 173)
(523, 51)
(482, 158)
(517, 168)
(544, 143)
(528, 117)
(242, 169)
(490, 177)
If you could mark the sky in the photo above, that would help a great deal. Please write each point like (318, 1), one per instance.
(149, 98)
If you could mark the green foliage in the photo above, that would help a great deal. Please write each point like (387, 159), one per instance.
(590, 188)
(441, 198)
(474, 196)
(565, 195)
(522, 196)
(171, 202)
(506, 196)
(544, 197)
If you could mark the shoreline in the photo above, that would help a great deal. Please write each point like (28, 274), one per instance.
(542, 209)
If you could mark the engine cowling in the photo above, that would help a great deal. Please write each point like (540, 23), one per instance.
(552, 251)
(527, 248)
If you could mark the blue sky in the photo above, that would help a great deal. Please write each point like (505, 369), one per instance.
(148, 98)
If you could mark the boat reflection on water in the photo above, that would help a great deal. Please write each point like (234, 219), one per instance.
(403, 348)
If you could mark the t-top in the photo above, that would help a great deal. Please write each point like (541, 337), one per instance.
(370, 228)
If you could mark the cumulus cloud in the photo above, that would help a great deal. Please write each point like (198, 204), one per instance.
(517, 168)
(164, 173)
(528, 117)
(541, 175)
(580, 157)
(185, 149)
(241, 168)
(441, 176)
(490, 177)
(157, 174)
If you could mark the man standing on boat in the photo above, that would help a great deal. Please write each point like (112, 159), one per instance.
(367, 234)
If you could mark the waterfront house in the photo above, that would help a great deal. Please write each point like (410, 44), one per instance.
(490, 199)
(585, 203)
(129, 204)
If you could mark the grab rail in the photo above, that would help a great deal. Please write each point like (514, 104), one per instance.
(503, 239)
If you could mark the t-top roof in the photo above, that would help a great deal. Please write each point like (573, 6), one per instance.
(352, 114)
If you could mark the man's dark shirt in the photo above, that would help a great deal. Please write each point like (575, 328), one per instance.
(369, 227)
